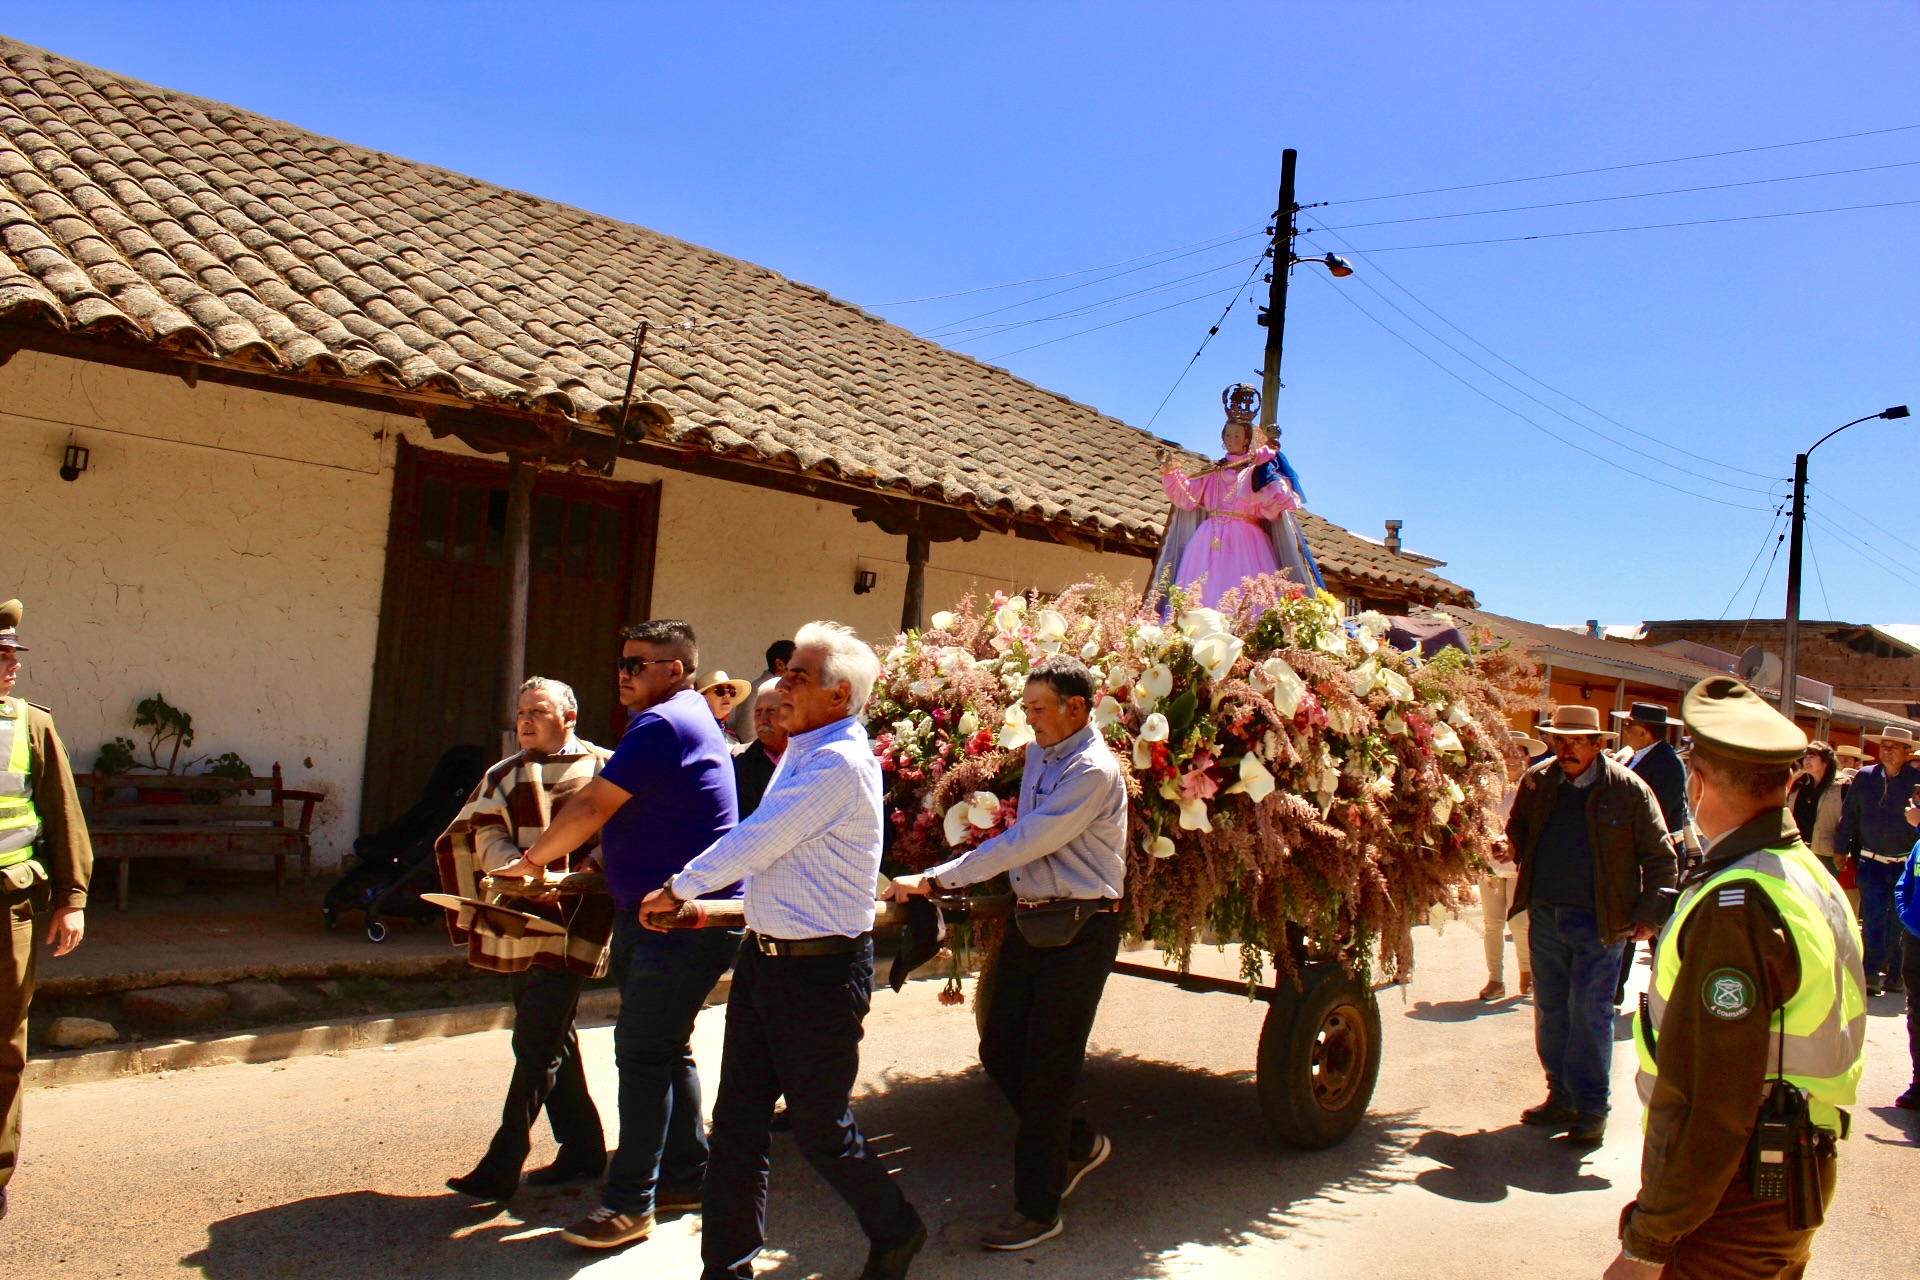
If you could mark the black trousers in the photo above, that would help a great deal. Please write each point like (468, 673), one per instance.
(1040, 1007)
(794, 1026)
(546, 1073)
(1910, 970)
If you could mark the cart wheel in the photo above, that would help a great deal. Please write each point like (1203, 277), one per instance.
(332, 918)
(1319, 1057)
(376, 931)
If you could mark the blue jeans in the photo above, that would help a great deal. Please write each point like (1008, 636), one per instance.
(1574, 974)
(664, 979)
(1879, 925)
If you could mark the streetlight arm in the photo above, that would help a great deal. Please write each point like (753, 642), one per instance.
(1898, 411)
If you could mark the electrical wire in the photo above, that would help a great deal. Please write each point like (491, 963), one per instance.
(1752, 564)
(1064, 275)
(1087, 309)
(1188, 368)
(1639, 195)
(1650, 226)
(1861, 518)
(1217, 293)
(1490, 399)
(1757, 591)
(1375, 269)
(1817, 575)
(1518, 390)
(1638, 164)
(1866, 550)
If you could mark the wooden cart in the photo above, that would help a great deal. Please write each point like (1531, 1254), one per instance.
(1319, 1051)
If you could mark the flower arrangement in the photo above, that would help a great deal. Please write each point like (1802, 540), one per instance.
(1294, 782)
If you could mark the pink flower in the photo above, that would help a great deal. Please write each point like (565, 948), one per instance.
(1197, 783)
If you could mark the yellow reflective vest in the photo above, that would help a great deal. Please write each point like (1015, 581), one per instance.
(1818, 1039)
(19, 821)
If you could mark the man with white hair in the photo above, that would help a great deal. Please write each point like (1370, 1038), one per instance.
(810, 860)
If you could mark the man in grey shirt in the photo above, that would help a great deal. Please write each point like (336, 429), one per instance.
(1066, 855)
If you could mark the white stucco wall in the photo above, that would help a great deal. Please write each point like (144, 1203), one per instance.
(226, 548)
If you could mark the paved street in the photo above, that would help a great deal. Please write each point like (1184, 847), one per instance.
(331, 1166)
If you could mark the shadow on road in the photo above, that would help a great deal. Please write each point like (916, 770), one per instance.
(1465, 1010)
(1482, 1167)
(1192, 1165)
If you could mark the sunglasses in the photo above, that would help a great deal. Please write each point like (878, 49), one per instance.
(634, 666)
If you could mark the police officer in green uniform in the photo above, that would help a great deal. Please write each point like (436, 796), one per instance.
(45, 864)
(1752, 1035)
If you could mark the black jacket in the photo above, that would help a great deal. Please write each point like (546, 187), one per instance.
(1663, 770)
(1633, 864)
(752, 771)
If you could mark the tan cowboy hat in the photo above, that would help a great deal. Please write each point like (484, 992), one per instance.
(1849, 753)
(741, 688)
(1574, 721)
(1530, 745)
(1896, 736)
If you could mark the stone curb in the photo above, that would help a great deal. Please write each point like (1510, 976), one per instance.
(275, 1044)
(451, 965)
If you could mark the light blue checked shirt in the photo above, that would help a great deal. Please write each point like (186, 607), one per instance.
(1069, 839)
(810, 854)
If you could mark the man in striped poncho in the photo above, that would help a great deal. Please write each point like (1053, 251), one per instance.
(513, 804)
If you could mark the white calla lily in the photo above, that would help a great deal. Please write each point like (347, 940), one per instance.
(1161, 847)
(1457, 714)
(969, 723)
(1446, 742)
(1015, 732)
(1107, 711)
(955, 826)
(1332, 640)
(1050, 624)
(1287, 688)
(1195, 623)
(1193, 815)
(1394, 723)
(943, 620)
(1216, 653)
(1363, 677)
(1256, 782)
(983, 808)
(1089, 651)
(1398, 687)
(1156, 682)
(1155, 728)
(1008, 616)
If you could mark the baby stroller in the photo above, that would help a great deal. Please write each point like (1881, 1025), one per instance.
(393, 866)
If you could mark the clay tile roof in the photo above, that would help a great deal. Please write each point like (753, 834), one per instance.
(141, 214)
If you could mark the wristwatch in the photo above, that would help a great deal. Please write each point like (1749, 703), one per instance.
(672, 897)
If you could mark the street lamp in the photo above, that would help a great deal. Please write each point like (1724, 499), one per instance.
(1790, 659)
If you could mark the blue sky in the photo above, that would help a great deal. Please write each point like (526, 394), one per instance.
(893, 152)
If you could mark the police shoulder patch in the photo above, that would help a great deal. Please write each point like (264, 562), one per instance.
(1728, 994)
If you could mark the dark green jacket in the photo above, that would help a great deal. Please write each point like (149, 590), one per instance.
(1633, 862)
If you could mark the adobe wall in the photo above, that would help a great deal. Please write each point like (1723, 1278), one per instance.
(1883, 683)
(226, 548)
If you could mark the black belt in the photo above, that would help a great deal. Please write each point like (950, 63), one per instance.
(1106, 904)
(836, 945)
(1881, 857)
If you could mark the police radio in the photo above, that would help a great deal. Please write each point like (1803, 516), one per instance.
(1783, 1153)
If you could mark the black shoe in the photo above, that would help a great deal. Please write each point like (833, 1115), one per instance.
(485, 1186)
(1894, 985)
(892, 1264)
(1908, 1101)
(564, 1170)
(1588, 1129)
(1549, 1114)
(782, 1122)
(1874, 987)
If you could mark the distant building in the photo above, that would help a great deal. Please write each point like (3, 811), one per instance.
(1862, 662)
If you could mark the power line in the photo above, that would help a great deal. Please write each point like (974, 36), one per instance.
(1639, 164)
(1818, 576)
(1866, 550)
(1649, 226)
(1861, 518)
(1109, 324)
(1188, 368)
(1240, 233)
(1752, 564)
(1686, 471)
(1639, 195)
(945, 334)
(1376, 269)
(1771, 561)
(1346, 297)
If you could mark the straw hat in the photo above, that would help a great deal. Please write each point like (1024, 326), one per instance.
(1895, 736)
(1849, 753)
(1531, 746)
(1574, 722)
(741, 688)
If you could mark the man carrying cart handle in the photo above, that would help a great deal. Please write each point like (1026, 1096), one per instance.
(1067, 855)
(1751, 1038)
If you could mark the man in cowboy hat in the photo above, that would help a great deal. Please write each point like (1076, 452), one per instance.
(46, 861)
(1874, 831)
(1596, 868)
(1652, 757)
(721, 691)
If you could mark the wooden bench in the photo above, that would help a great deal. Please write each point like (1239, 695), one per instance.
(127, 819)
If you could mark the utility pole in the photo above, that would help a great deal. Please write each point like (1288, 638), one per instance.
(1275, 317)
(1790, 657)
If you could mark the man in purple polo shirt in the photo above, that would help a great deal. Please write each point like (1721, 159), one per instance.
(666, 794)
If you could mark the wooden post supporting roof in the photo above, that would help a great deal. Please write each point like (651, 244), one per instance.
(519, 539)
(922, 526)
(913, 610)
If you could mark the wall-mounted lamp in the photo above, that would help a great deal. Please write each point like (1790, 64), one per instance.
(74, 463)
(864, 580)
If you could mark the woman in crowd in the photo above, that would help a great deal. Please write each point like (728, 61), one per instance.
(1815, 800)
(1496, 888)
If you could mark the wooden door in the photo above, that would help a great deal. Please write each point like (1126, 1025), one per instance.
(442, 606)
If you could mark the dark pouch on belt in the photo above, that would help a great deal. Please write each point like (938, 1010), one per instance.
(1055, 924)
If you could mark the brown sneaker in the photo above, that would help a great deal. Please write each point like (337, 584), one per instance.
(1550, 1115)
(605, 1229)
(677, 1202)
(1078, 1169)
(1495, 990)
(1018, 1231)
(1588, 1129)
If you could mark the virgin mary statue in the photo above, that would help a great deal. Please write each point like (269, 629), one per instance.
(1234, 520)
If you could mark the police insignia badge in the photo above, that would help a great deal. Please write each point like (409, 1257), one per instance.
(1728, 994)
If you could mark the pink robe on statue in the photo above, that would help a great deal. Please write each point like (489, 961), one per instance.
(1232, 543)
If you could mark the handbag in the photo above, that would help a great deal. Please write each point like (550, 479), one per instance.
(1055, 924)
